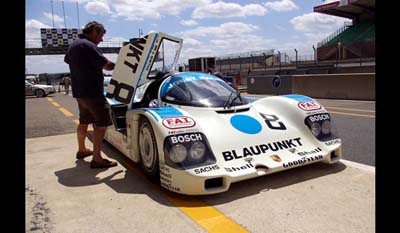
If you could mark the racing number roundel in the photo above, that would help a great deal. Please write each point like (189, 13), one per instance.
(246, 124)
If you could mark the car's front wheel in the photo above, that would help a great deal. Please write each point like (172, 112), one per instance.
(148, 149)
(40, 93)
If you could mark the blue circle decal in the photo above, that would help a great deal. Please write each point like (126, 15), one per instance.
(246, 124)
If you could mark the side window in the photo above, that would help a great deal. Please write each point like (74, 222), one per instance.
(178, 94)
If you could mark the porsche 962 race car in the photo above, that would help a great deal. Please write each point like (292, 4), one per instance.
(196, 134)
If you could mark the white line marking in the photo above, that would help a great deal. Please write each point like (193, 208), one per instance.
(359, 166)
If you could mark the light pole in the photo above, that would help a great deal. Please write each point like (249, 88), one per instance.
(295, 50)
(338, 53)
(315, 55)
(265, 61)
(280, 62)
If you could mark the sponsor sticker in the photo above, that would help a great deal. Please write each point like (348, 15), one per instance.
(309, 106)
(302, 161)
(276, 158)
(178, 122)
(206, 169)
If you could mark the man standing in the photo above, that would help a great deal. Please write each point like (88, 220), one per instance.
(67, 82)
(86, 64)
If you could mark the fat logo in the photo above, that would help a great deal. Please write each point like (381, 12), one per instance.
(178, 122)
(309, 106)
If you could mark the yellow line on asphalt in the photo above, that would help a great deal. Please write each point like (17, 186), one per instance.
(55, 104)
(206, 216)
(352, 114)
(200, 212)
(66, 112)
(351, 109)
(50, 99)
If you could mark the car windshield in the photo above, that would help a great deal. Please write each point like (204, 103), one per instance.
(201, 90)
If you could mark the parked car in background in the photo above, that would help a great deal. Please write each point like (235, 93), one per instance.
(38, 90)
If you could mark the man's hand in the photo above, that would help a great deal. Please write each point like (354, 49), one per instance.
(109, 65)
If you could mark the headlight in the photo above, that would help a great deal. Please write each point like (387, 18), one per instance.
(326, 127)
(178, 153)
(321, 126)
(188, 150)
(197, 150)
(315, 128)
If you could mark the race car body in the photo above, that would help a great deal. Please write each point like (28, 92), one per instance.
(197, 135)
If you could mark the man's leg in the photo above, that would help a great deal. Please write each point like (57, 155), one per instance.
(98, 136)
(82, 131)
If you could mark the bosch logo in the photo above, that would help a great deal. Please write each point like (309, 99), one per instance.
(186, 138)
(309, 106)
(178, 122)
(319, 117)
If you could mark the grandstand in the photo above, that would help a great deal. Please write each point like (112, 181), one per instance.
(352, 41)
(349, 47)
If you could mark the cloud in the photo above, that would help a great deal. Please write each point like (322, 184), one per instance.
(57, 19)
(230, 29)
(284, 5)
(189, 22)
(32, 32)
(224, 10)
(135, 10)
(97, 8)
(227, 38)
(316, 22)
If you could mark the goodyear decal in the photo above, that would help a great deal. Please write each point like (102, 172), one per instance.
(302, 161)
(299, 98)
(185, 77)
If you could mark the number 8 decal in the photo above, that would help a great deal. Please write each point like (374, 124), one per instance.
(270, 119)
(117, 89)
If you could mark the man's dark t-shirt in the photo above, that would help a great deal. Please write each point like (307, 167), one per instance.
(86, 63)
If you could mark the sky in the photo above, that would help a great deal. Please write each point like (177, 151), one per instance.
(207, 27)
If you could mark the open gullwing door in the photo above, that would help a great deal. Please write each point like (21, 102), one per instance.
(139, 61)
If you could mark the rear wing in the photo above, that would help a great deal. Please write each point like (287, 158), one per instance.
(134, 63)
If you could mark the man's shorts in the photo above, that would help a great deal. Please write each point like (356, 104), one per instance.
(94, 110)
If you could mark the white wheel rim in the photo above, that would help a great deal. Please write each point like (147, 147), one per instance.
(146, 147)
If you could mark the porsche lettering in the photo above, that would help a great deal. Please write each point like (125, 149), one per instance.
(261, 149)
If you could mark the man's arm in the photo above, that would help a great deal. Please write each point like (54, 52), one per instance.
(109, 65)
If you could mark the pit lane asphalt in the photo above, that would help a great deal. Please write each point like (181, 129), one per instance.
(64, 195)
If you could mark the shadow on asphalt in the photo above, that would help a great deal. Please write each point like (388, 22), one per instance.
(135, 181)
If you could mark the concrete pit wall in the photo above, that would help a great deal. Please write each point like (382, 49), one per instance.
(359, 86)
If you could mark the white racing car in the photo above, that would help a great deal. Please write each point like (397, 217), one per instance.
(196, 134)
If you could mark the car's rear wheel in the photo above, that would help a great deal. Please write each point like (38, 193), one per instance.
(40, 93)
(148, 149)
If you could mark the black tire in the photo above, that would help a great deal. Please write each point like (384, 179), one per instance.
(148, 150)
(40, 93)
